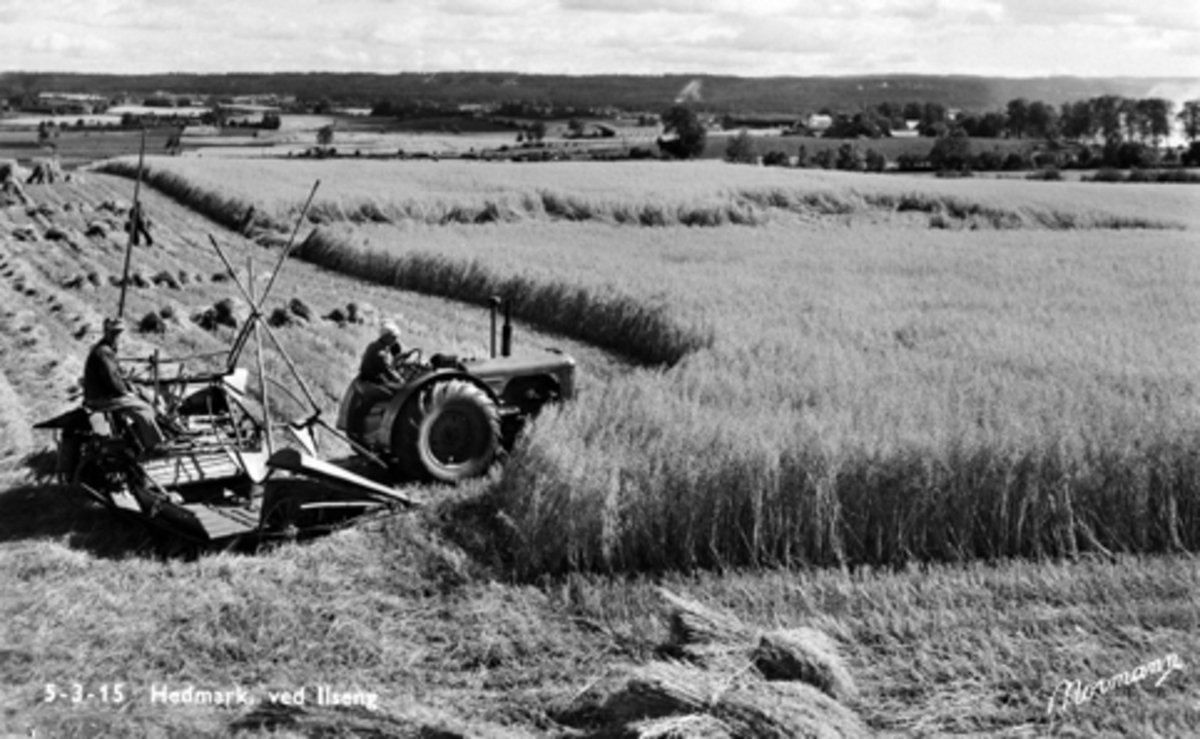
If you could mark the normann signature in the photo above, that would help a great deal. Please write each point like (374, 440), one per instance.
(1075, 692)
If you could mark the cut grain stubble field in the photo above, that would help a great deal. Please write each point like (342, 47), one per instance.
(862, 388)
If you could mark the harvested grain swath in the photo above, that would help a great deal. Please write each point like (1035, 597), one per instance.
(228, 210)
(663, 696)
(699, 632)
(749, 708)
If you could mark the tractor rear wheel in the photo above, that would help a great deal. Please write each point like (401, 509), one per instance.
(449, 431)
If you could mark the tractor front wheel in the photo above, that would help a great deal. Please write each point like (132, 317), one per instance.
(449, 431)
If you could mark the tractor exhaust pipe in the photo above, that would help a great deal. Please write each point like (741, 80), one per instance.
(506, 335)
(495, 304)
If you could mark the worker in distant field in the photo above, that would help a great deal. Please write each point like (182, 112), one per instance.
(139, 225)
(105, 389)
(9, 186)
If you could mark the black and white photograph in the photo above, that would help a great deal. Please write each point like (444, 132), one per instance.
(599, 369)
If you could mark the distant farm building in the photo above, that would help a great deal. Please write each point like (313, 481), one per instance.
(818, 122)
(248, 114)
(908, 132)
(601, 130)
(66, 103)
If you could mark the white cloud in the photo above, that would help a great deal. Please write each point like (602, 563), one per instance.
(12, 11)
(346, 60)
(1010, 37)
(398, 33)
(493, 7)
(640, 6)
(61, 43)
(1111, 13)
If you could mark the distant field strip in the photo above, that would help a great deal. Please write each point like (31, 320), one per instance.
(640, 329)
(702, 194)
(859, 393)
(630, 326)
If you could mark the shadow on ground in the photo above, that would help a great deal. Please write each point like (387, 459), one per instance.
(331, 724)
(53, 511)
(35, 504)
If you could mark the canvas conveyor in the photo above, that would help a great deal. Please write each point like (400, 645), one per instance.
(192, 467)
(212, 469)
(222, 522)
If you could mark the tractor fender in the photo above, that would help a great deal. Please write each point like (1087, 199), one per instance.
(396, 403)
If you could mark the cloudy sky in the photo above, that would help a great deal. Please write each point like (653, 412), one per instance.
(1015, 38)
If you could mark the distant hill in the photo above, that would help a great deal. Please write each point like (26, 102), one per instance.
(718, 94)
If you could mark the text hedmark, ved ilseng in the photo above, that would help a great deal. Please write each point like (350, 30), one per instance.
(237, 695)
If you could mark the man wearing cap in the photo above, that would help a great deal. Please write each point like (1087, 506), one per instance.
(378, 365)
(105, 389)
(377, 378)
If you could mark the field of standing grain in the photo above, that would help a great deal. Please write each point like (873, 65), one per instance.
(866, 371)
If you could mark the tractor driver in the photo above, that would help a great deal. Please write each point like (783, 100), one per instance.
(378, 367)
(378, 377)
(104, 388)
(377, 372)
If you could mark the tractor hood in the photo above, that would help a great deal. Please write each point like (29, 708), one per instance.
(497, 372)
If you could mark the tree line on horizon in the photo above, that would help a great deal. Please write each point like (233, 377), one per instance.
(1105, 131)
(1113, 118)
(1126, 127)
(713, 94)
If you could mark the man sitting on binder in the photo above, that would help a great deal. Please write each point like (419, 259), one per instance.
(105, 389)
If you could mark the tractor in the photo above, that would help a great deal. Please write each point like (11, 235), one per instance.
(232, 472)
(453, 416)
